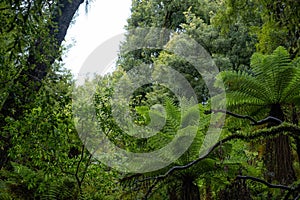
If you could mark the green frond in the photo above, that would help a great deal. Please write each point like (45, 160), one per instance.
(63, 189)
(274, 79)
(245, 83)
(245, 103)
(171, 109)
(192, 152)
(190, 116)
(243, 89)
(274, 72)
(263, 65)
(292, 91)
(173, 116)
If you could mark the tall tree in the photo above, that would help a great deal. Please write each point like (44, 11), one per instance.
(50, 21)
(276, 23)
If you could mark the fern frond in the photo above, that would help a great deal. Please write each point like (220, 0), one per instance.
(63, 189)
(244, 83)
(275, 79)
(273, 71)
(292, 91)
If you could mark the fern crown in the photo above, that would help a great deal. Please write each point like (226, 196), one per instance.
(274, 79)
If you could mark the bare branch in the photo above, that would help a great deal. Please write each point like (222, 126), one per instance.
(291, 190)
(78, 166)
(270, 185)
(267, 132)
(149, 191)
(269, 119)
(296, 188)
(254, 122)
(86, 167)
(232, 114)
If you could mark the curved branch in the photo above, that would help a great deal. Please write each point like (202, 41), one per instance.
(290, 190)
(78, 166)
(257, 134)
(269, 119)
(150, 190)
(267, 132)
(254, 122)
(296, 188)
(233, 114)
(270, 185)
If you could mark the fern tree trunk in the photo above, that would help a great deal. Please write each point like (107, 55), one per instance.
(278, 156)
(189, 190)
(295, 121)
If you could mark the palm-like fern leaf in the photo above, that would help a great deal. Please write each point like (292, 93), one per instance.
(275, 80)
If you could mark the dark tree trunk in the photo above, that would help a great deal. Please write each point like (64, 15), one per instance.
(278, 156)
(189, 190)
(27, 85)
(295, 121)
(297, 141)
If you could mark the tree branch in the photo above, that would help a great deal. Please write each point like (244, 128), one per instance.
(269, 119)
(149, 191)
(297, 188)
(86, 167)
(267, 132)
(270, 185)
(290, 190)
(78, 166)
(254, 122)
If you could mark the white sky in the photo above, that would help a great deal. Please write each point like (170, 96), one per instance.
(104, 20)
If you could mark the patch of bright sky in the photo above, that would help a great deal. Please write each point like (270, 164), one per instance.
(104, 20)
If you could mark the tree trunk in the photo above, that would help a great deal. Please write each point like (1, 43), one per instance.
(278, 156)
(295, 121)
(189, 190)
(27, 85)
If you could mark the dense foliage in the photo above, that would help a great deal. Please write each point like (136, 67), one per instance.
(255, 46)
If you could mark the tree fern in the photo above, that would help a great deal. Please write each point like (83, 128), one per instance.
(273, 82)
(185, 182)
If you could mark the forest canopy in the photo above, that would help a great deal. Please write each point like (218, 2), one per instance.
(251, 55)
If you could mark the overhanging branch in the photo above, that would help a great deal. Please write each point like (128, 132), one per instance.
(254, 122)
(269, 185)
(293, 130)
(289, 129)
(291, 190)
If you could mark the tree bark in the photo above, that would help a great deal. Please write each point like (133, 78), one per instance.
(295, 121)
(278, 156)
(29, 82)
(190, 191)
